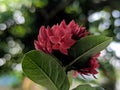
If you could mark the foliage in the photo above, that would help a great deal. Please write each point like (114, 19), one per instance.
(87, 87)
(46, 70)
(16, 38)
(87, 47)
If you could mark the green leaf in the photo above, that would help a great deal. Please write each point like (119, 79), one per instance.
(87, 87)
(99, 88)
(87, 47)
(70, 76)
(45, 70)
(84, 87)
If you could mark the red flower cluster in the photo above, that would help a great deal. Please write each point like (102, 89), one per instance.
(59, 37)
(91, 69)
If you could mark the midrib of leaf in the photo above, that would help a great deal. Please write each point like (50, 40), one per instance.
(75, 60)
(41, 70)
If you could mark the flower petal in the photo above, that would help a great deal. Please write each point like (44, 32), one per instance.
(63, 24)
(64, 51)
(56, 47)
(37, 45)
(54, 39)
(43, 33)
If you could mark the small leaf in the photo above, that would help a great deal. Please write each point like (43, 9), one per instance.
(87, 87)
(84, 87)
(70, 76)
(99, 88)
(87, 47)
(45, 70)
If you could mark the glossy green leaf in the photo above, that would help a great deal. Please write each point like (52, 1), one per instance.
(99, 88)
(87, 87)
(45, 70)
(84, 87)
(87, 47)
(70, 76)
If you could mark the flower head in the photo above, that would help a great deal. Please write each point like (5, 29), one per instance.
(91, 68)
(43, 42)
(78, 32)
(59, 37)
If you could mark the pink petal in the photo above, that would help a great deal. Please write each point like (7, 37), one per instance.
(93, 71)
(37, 45)
(63, 24)
(54, 39)
(49, 47)
(49, 32)
(61, 32)
(75, 74)
(68, 44)
(68, 41)
(64, 51)
(56, 46)
(71, 23)
(54, 27)
(43, 33)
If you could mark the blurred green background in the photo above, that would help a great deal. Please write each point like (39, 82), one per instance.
(20, 21)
